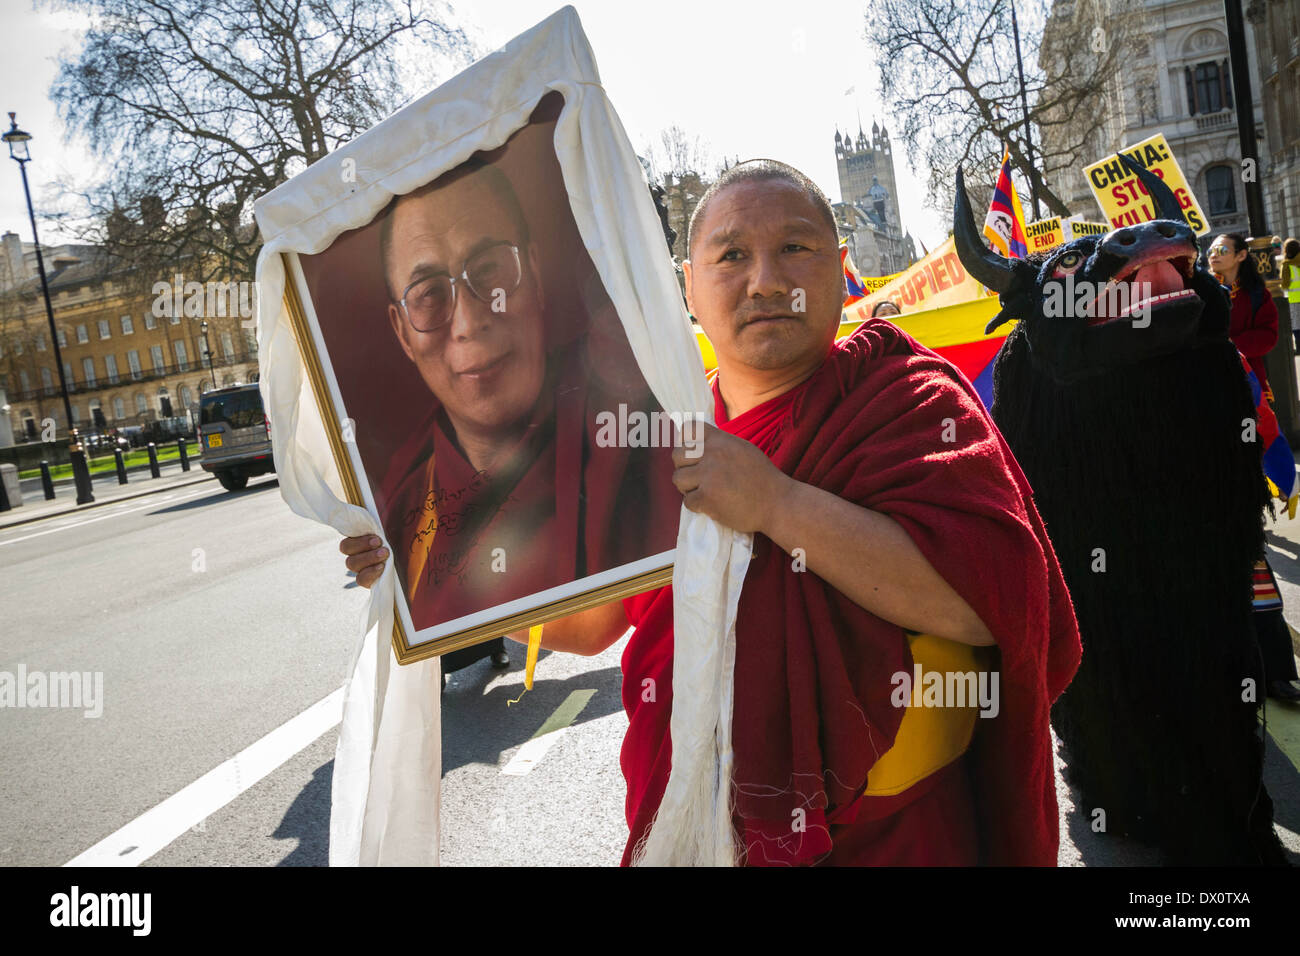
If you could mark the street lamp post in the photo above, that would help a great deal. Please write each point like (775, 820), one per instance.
(207, 353)
(18, 140)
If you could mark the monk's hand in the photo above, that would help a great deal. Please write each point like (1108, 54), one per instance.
(365, 557)
(727, 478)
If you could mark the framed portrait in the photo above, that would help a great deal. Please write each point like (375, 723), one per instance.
(504, 415)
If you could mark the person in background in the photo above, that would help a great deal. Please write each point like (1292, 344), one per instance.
(1253, 323)
(885, 309)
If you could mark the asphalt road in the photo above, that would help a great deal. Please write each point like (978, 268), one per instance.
(216, 618)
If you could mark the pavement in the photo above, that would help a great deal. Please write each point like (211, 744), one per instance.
(105, 488)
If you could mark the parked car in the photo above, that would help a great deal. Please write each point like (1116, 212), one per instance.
(103, 444)
(234, 435)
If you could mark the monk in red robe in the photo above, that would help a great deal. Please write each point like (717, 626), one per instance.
(894, 537)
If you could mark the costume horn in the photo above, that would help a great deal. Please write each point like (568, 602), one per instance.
(985, 265)
(1166, 202)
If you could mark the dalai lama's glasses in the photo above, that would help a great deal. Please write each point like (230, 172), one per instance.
(489, 275)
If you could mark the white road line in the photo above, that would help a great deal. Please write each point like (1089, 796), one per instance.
(531, 753)
(155, 829)
(114, 514)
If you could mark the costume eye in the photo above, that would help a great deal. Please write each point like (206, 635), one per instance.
(1068, 264)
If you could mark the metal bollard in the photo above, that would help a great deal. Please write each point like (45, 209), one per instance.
(81, 476)
(47, 482)
(153, 461)
(185, 458)
(121, 466)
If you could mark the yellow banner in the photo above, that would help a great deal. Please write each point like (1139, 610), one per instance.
(1078, 228)
(1124, 200)
(876, 283)
(937, 280)
(934, 328)
(1044, 234)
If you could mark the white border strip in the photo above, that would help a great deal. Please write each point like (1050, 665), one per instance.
(155, 829)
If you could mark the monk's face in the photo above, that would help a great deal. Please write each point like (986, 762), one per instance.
(487, 363)
(764, 279)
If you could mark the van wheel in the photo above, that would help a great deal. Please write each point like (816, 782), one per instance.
(230, 481)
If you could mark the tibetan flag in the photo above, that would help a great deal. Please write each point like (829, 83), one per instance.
(1279, 463)
(1005, 224)
(853, 288)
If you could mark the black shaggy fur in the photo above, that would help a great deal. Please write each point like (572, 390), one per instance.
(1144, 471)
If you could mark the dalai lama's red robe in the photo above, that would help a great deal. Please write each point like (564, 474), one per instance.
(889, 425)
(558, 506)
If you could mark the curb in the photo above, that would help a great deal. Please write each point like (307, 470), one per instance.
(205, 476)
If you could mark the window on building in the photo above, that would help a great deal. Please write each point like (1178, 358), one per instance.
(119, 409)
(156, 356)
(1221, 192)
(63, 339)
(67, 374)
(24, 383)
(104, 331)
(110, 369)
(187, 397)
(133, 363)
(127, 327)
(149, 321)
(18, 346)
(76, 414)
(1209, 89)
(182, 356)
(250, 340)
(88, 366)
(176, 319)
(141, 403)
(47, 378)
(40, 341)
(227, 346)
(82, 335)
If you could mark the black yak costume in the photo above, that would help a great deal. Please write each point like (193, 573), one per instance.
(1135, 428)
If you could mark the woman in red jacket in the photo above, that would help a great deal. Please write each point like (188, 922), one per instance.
(1253, 325)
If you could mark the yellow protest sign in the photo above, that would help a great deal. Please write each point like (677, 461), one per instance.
(1044, 234)
(937, 280)
(876, 283)
(1124, 200)
(1078, 228)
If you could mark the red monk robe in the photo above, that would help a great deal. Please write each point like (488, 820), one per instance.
(813, 670)
(559, 506)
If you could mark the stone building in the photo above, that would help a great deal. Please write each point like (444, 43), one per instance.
(1177, 82)
(1275, 26)
(868, 215)
(124, 352)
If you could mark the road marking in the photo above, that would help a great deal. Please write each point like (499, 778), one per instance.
(114, 514)
(155, 829)
(530, 754)
(1284, 728)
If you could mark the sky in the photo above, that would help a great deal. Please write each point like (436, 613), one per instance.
(768, 78)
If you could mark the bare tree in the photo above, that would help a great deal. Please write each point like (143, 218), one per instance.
(684, 167)
(948, 70)
(200, 106)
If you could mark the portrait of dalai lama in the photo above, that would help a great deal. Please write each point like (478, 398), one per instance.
(502, 491)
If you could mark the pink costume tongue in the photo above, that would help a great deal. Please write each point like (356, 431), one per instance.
(1157, 278)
